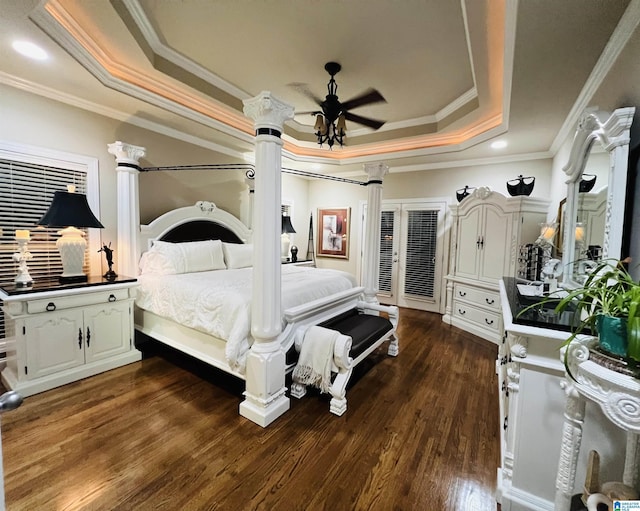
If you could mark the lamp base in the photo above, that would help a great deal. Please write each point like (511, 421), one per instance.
(72, 279)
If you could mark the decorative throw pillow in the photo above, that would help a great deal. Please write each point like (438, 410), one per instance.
(238, 255)
(166, 258)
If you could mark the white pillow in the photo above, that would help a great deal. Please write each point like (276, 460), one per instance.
(238, 255)
(193, 256)
(157, 263)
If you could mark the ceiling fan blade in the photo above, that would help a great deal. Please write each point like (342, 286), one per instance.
(303, 89)
(371, 123)
(309, 112)
(366, 98)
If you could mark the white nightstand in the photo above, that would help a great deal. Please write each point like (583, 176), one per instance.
(60, 333)
(310, 263)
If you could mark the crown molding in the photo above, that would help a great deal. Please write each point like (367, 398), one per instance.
(167, 52)
(54, 20)
(60, 25)
(617, 42)
(111, 113)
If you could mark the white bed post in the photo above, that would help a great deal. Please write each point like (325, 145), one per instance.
(128, 239)
(265, 398)
(371, 259)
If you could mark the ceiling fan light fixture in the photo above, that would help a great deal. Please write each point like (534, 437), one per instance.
(330, 124)
(341, 125)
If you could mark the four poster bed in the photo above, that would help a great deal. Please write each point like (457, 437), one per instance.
(195, 290)
(280, 311)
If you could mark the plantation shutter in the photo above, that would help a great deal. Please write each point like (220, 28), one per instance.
(26, 191)
(386, 251)
(422, 233)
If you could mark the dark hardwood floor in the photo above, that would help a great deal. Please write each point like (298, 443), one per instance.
(420, 433)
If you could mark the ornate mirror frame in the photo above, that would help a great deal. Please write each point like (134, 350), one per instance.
(613, 132)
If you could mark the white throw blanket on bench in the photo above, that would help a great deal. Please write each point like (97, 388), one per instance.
(316, 355)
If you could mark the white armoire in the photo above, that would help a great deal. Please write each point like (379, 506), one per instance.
(487, 228)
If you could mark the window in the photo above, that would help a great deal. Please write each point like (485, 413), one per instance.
(28, 178)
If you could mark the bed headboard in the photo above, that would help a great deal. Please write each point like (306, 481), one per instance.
(202, 221)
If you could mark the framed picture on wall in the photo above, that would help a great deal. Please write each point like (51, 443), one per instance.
(333, 232)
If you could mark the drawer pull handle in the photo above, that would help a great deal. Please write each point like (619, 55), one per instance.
(462, 293)
(51, 306)
(505, 424)
(88, 337)
(112, 298)
(488, 321)
(80, 338)
(460, 311)
(490, 301)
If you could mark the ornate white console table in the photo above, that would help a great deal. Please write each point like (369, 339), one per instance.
(617, 394)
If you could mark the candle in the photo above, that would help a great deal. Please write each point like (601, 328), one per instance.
(22, 234)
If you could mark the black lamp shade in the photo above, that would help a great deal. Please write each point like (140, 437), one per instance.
(286, 225)
(69, 210)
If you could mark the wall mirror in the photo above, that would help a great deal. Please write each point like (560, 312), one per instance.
(601, 213)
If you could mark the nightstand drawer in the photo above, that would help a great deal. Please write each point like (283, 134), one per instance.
(77, 300)
(484, 318)
(481, 297)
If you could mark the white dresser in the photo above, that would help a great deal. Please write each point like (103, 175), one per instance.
(56, 334)
(532, 396)
(488, 228)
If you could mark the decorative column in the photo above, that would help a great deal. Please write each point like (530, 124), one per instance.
(570, 448)
(127, 244)
(265, 398)
(371, 260)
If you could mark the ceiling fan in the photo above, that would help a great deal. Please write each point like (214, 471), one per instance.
(330, 121)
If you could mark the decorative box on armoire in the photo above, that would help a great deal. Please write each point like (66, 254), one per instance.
(488, 229)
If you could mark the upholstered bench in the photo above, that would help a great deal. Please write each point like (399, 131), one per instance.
(362, 331)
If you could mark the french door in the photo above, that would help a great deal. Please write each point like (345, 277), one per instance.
(412, 255)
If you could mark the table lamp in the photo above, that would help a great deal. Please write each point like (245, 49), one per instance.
(287, 229)
(70, 210)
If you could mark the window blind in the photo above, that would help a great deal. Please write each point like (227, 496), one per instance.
(386, 251)
(26, 191)
(422, 233)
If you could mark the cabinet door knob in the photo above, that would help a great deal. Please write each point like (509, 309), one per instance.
(51, 306)
(80, 338)
(112, 298)
(88, 337)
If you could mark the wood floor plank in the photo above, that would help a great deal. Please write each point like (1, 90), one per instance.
(420, 433)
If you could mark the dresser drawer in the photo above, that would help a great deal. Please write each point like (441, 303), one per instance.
(487, 319)
(477, 296)
(76, 300)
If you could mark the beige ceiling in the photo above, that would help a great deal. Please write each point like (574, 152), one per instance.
(455, 74)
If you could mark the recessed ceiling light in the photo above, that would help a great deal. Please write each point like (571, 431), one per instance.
(30, 50)
(498, 144)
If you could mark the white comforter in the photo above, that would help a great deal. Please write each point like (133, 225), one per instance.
(219, 302)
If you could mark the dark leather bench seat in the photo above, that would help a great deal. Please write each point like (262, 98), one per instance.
(364, 329)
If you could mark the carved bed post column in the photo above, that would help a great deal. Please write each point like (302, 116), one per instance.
(371, 259)
(265, 398)
(127, 249)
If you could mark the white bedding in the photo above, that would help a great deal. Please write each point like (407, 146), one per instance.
(219, 302)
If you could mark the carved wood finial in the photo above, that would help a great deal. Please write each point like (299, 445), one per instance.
(592, 480)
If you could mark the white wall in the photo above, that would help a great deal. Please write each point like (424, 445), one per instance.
(418, 185)
(34, 120)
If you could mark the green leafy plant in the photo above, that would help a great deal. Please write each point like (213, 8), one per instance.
(610, 291)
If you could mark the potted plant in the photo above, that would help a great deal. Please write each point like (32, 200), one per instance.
(608, 304)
